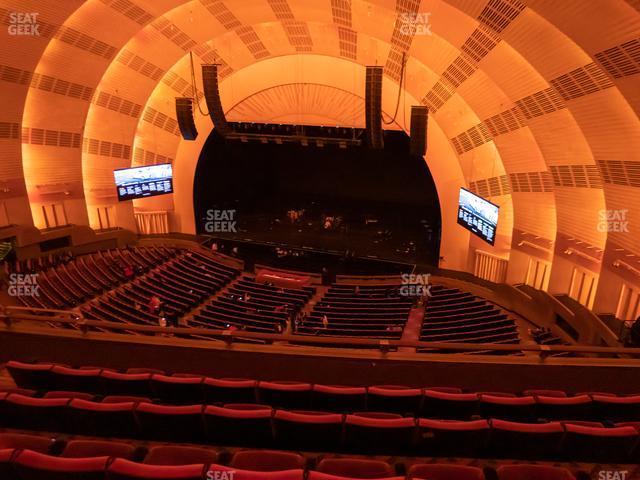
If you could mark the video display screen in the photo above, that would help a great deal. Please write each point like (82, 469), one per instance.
(141, 182)
(478, 215)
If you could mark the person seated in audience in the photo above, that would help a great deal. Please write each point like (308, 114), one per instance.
(127, 270)
(154, 304)
(214, 247)
(325, 321)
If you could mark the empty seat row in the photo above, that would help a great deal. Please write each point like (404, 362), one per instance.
(442, 402)
(87, 459)
(255, 425)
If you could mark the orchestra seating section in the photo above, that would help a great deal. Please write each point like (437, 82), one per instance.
(453, 315)
(198, 290)
(367, 311)
(254, 307)
(78, 279)
(181, 283)
(540, 425)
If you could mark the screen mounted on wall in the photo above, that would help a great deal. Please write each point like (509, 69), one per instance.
(478, 215)
(141, 182)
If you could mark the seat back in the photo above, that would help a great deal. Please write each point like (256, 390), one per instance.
(238, 427)
(34, 376)
(103, 419)
(307, 431)
(463, 438)
(122, 469)
(289, 395)
(229, 390)
(180, 455)
(395, 399)
(178, 390)
(31, 465)
(376, 435)
(355, 468)
(445, 405)
(266, 460)
(525, 440)
(331, 398)
(37, 443)
(29, 413)
(170, 423)
(75, 380)
(533, 472)
(133, 384)
(435, 471)
(97, 448)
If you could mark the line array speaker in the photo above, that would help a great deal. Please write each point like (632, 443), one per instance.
(212, 96)
(373, 99)
(419, 121)
(184, 114)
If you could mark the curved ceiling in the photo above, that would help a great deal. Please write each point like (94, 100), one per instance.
(539, 100)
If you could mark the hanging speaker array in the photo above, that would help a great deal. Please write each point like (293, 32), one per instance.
(418, 129)
(184, 115)
(373, 108)
(212, 97)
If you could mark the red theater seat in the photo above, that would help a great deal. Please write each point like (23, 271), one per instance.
(122, 469)
(266, 460)
(569, 408)
(444, 405)
(67, 394)
(37, 443)
(393, 398)
(326, 476)
(307, 431)
(6, 468)
(332, 398)
(48, 414)
(290, 395)
(75, 379)
(452, 437)
(97, 448)
(103, 419)
(34, 376)
(375, 435)
(617, 409)
(36, 466)
(124, 398)
(229, 390)
(170, 422)
(594, 444)
(525, 440)
(180, 455)
(533, 472)
(355, 468)
(507, 408)
(238, 427)
(136, 384)
(178, 390)
(436, 471)
(219, 472)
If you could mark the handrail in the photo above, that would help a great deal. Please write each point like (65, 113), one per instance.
(12, 313)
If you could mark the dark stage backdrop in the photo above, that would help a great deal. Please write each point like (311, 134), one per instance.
(263, 181)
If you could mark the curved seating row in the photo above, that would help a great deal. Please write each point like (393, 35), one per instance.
(368, 311)
(101, 460)
(453, 315)
(367, 432)
(435, 402)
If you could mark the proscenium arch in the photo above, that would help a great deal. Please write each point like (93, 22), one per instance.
(598, 135)
(439, 157)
